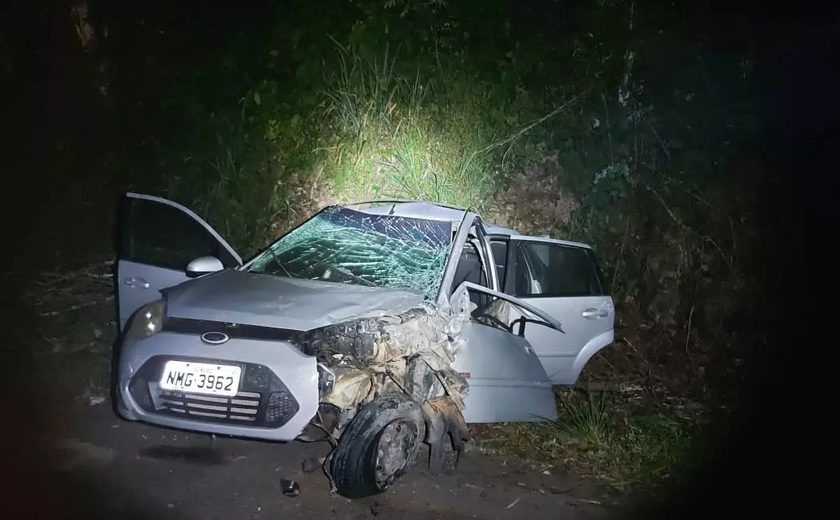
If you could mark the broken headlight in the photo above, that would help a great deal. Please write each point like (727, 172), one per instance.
(147, 320)
(356, 338)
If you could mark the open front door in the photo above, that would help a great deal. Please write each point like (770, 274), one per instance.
(506, 380)
(158, 239)
(563, 280)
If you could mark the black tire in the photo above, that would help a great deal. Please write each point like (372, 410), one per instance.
(354, 462)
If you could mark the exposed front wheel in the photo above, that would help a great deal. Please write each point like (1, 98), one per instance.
(377, 446)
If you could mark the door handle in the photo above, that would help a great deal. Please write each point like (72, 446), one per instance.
(592, 314)
(138, 283)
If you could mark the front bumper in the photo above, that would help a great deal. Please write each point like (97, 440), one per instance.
(277, 396)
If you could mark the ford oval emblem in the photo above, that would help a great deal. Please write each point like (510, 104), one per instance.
(214, 338)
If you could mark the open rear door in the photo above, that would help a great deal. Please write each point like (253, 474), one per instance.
(507, 383)
(158, 239)
(563, 280)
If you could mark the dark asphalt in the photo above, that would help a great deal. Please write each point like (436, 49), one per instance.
(135, 470)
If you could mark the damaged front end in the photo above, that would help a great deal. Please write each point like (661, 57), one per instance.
(385, 355)
(410, 353)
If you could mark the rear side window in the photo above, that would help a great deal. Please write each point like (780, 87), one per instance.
(544, 269)
(163, 236)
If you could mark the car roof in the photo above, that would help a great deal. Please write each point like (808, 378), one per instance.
(417, 209)
(438, 211)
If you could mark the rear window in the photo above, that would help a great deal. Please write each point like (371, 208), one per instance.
(545, 269)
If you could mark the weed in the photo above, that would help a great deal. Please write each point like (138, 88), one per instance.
(364, 93)
(589, 419)
(602, 437)
(660, 444)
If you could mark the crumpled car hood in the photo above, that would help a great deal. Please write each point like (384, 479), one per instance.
(275, 301)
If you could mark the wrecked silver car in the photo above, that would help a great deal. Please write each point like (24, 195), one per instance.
(378, 326)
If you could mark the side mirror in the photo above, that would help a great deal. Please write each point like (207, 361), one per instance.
(204, 265)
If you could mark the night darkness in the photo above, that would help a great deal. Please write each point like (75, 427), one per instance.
(137, 109)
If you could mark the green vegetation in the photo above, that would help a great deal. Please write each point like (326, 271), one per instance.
(397, 136)
(604, 438)
(472, 105)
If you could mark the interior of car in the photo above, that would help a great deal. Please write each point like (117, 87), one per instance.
(470, 269)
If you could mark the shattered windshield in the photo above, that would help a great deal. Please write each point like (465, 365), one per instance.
(347, 246)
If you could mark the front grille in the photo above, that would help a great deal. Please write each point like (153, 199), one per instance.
(243, 407)
(262, 399)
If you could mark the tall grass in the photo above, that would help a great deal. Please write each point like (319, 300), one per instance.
(423, 171)
(398, 136)
(590, 419)
(364, 93)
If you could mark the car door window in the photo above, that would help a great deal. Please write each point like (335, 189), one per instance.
(163, 236)
(471, 269)
(552, 270)
(500, 257)
(498, 306)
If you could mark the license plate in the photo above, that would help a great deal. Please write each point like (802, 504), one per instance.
(202, 378)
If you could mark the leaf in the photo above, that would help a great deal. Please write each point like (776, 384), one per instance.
(274, 52)
(257, 99)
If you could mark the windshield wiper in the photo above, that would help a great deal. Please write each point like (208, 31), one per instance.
(347, 272)
(279, 263)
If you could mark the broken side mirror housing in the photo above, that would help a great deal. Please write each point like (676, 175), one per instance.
(204, 265)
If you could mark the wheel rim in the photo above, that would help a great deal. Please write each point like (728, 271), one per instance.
(394, 450)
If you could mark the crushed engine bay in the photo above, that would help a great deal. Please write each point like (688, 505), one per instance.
(411, 352)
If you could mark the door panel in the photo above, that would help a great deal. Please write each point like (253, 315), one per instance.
(559, 352)
(159, 239)
(564, 281)
(140, 284)
(506, 379)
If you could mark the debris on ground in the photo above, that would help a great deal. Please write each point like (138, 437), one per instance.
(96, 400)
(290, 487)
(557, 491)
